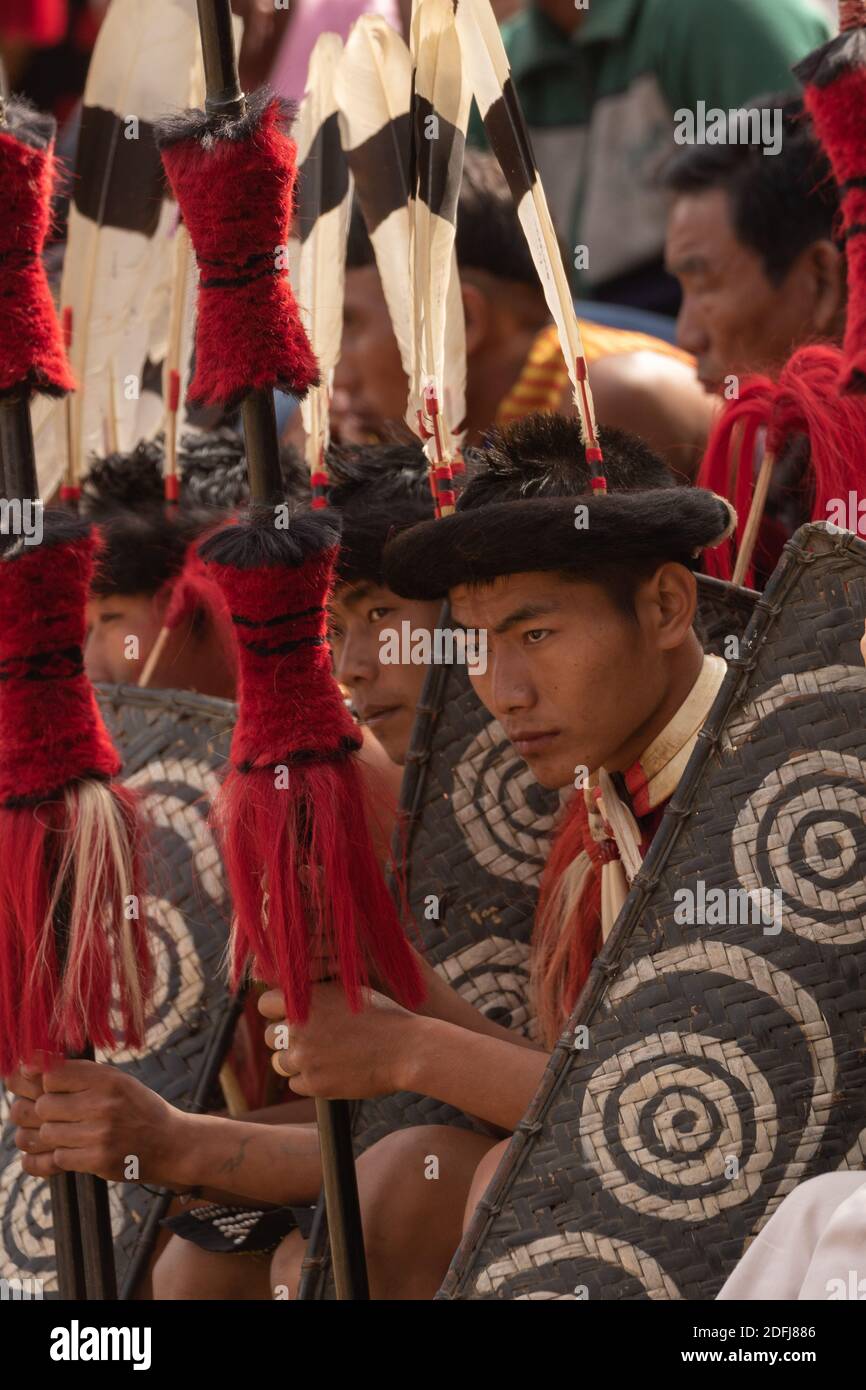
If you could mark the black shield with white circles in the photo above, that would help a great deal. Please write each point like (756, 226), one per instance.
(716, 1057)
(174, 747)
(480, 828)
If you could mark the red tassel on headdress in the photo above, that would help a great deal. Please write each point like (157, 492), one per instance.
(234, 181)
(834, 79)
(294, 827)
(804, 402)
(69, 839)
(31, 345)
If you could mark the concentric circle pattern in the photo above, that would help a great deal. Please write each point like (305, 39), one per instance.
(802, 834)
(679, 1125)
(506, 818)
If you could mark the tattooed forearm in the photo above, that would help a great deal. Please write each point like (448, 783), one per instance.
(234, 1161)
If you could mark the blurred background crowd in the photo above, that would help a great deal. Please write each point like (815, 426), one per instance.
(598, 80)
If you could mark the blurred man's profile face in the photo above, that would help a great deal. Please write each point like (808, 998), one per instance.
(734, 319)
(370, 386)
(121, 632)
(385, 695)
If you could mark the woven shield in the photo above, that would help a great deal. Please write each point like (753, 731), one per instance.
(716, 1056)
(479, 832)
(174, 746)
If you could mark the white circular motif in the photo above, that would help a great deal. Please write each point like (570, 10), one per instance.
(506, 817)
(25, 1215)
(493, 975)
(543, 1254)
(178, 981)
(726, 1106)
(802, 833)
(27, 1248)
(187, 818)
(792, 688)
(669, 1121)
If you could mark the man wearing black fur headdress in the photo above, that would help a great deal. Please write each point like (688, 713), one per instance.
(599, 679)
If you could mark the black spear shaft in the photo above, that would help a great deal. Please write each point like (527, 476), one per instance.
(87, 1196)
(225, 98)
(97, 1240)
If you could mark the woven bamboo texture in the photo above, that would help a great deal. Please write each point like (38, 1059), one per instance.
(174, 746)
(478, 831)
(723, 1057)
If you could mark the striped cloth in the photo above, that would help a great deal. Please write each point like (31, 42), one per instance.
(544, 379)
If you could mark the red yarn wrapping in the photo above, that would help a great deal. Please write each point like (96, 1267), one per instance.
(51, 731)
(31, 342)
(805, 401)
(234, 182)
(52, 740)
(835, 96)
(39, 22)
(292, 812)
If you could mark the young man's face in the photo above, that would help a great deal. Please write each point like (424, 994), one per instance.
(121, 632)
(734, 319)
(384, 696)
(571, 678)
(370, 386)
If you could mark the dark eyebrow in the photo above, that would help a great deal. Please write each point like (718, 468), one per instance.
(356, 594)
(529, 610)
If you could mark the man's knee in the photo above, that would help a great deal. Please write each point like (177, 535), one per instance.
(413, 1171)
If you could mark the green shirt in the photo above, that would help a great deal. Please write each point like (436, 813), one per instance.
(600, 105)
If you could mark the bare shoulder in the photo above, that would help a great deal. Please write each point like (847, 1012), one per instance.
(658, 398)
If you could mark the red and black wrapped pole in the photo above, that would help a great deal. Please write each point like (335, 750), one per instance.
(292, 812)
(303, 872)
(293, 821)
(72, 937)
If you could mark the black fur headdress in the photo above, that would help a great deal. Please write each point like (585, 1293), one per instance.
(581, 536)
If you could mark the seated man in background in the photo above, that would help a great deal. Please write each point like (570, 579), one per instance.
(140, 561)
(601, 84)
(376, 489)
(514, 363)
(599, 679)
(750, 239)
(144, 549)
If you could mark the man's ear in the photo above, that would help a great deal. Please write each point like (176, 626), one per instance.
(672, 596)
(476, 310)
(825, 267)
(161, 599)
